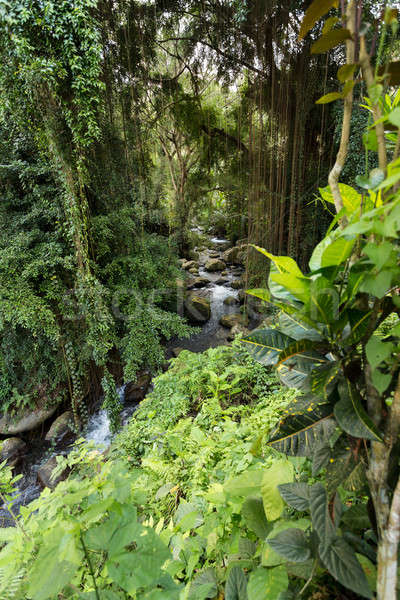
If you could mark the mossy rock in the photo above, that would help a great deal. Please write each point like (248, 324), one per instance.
(197, 309)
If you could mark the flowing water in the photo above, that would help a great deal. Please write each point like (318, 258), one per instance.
(98, 427)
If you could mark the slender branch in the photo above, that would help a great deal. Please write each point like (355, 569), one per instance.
(348, 109)
(90, 567)
(376, 111)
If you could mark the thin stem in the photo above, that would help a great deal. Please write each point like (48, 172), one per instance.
(90, 567)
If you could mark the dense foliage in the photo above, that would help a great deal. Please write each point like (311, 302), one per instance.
(266, 469)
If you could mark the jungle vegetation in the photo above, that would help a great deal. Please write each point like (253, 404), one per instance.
(267, 469)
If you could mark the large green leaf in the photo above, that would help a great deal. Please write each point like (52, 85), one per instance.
(265, 345)
(236, 585)
(296, 494)
(204, 585)
(352, 416)
(295, 373)
(292, 544)
(320, 517)
(267, 584)
(294, 326)
(323, 378)
(246, 484)
(299, 349)
(253, 514)
(297, 433)
(351, 198)
(337, 252)
(299, 287)
(330, 40)
(284, 264)
(316, 10)
(341, 561)
(323, 303)
(281, 471)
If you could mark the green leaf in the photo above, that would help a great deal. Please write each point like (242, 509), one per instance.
(279, 472)
(321, 456)
(356, 518)
(346, 72)
(371, 143)
(381, 380)
(253, 514)
(284, 264)
(341, 561)
(320, 517)
(337, 252)
(204, 585)
(48, 575)
(296, 349)
(351, 415)
(260, 293)
(377, 285)
(331, 97)
(299, 287)
(295, 374)
(351, 198)
(369, 569)
(297, 434)
(379, 254)
(265, 345)
(292, 325)
(292, 544)
(267, 584)
(377, 351)
(236, 585)
(375, 92)
(394, 117)
(297, 495)
(323, 378)
(330, 40)
(246, 484)
(316, 10)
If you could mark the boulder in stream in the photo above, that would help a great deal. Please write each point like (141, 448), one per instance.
(190, 264)
(26, 420)
(230, 321)
(12, 450)
(135, 391)
(45, 471)
(61, 428)
(197, 309)
(194, 271)
(231, 301)
(199, 282)
(215, 264)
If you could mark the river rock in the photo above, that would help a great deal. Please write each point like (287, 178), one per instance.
(45, 471)
(197, 309)
(230, 321)
(11, 450)
(61, 427)
(241, 296)
(221, 280)
(28, 419)
(215, 264)
(236, 284)
(214, 254)
(231, 301)
(190, 264)
(135, 391)
(237, 330)
(194, 271)
(176, 351)
(199, 282)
